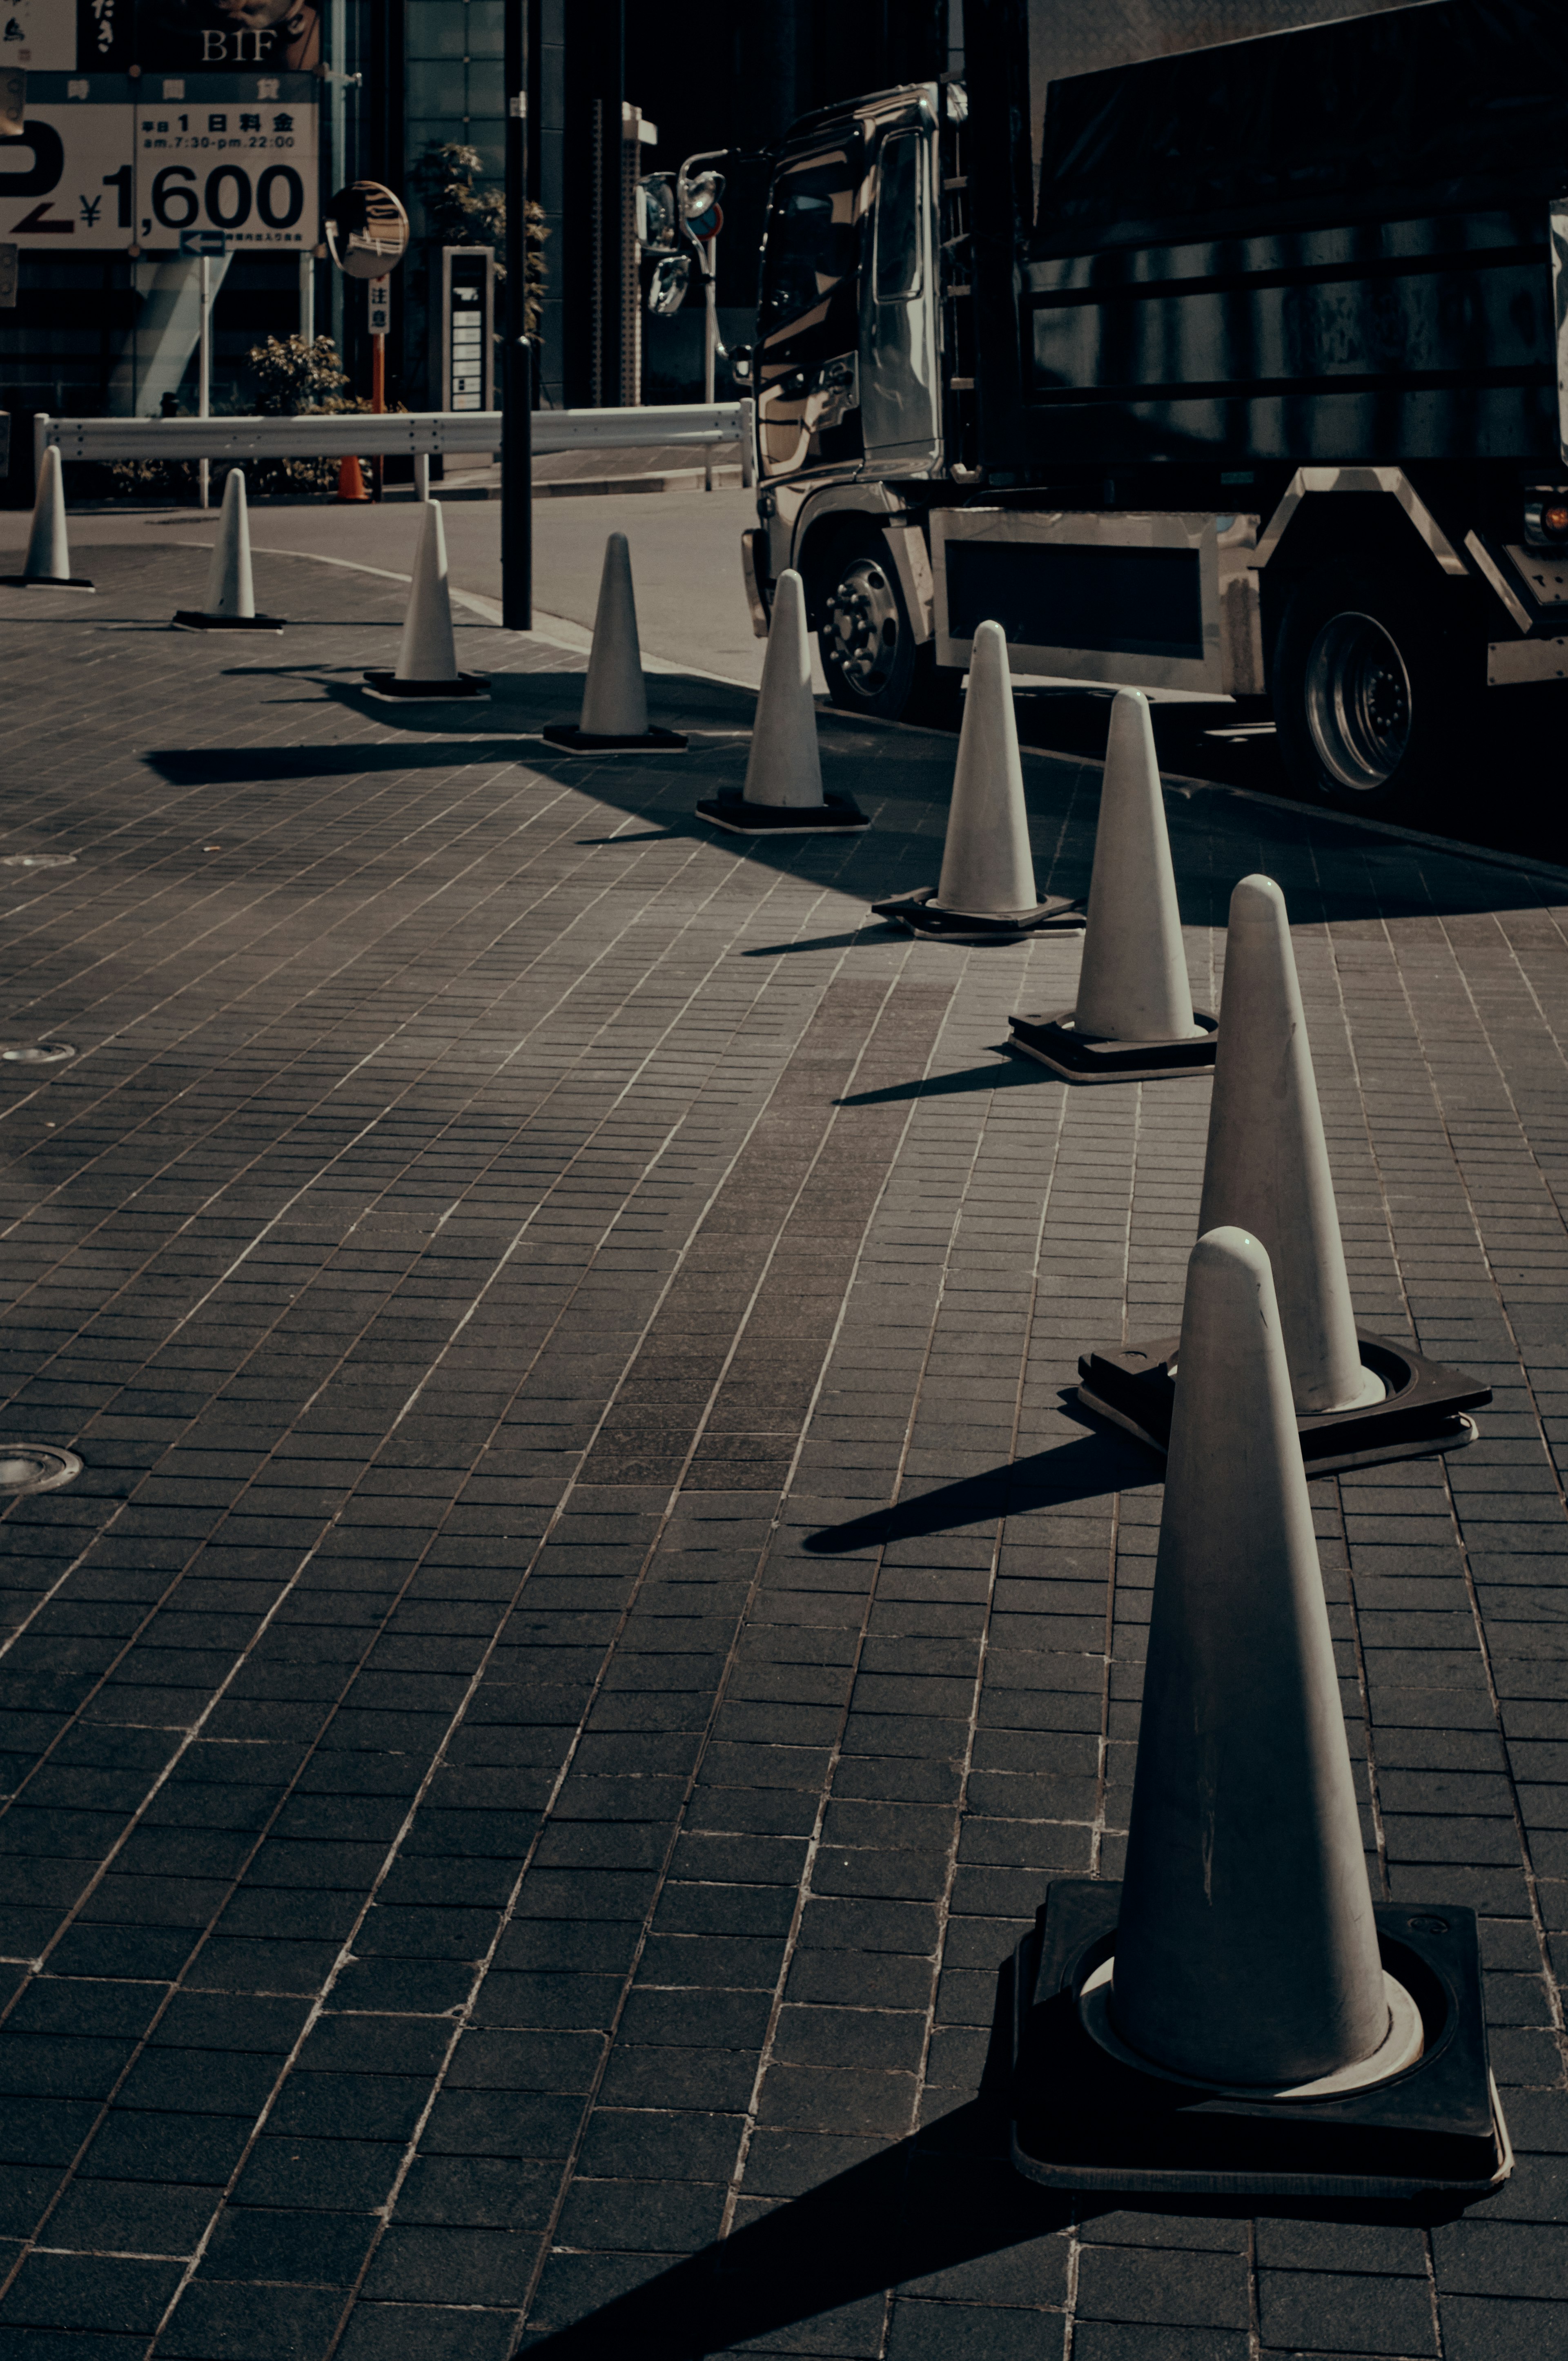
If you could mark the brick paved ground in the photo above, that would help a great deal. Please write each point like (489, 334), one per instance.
(586, 1626)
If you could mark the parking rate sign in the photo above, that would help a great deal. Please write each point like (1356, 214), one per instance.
(106, 163)
(236, 154)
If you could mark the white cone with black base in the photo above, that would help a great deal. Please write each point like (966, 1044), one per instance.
(614, 718)
(783, 795)
(1247, 1950)
(231, 591)
(1358, 1398)
(986, 892)
(1237, 2014)
(46, 566)
(427, 653)
(1133, 1020)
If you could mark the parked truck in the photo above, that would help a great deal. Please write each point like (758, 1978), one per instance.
(1252, 382)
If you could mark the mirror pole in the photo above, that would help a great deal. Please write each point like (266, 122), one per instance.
(517, 375)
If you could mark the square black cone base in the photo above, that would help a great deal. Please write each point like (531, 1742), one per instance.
(45, 582)
(1058, 913)
(429, 692)
(832, 817)
(190, 619)
(583, 742)
(1422, 1412)
(1083, 2120)
(1080, 1058)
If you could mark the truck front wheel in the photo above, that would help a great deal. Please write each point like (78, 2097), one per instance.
(1368, 690)
(870, 658)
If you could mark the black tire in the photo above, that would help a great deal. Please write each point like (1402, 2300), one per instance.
(1372, 702)
(871, 659)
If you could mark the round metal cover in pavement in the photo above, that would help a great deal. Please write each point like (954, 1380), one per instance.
(36, 1053)
(35, 1467)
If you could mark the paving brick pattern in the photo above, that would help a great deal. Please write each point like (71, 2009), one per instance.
(586, 1625)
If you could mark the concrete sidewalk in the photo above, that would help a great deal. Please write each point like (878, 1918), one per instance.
(588, 1624)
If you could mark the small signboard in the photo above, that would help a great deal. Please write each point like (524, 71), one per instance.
(203, 241)
(380, 296)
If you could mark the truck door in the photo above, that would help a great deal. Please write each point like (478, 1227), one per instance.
(900, 401)
(808, 316)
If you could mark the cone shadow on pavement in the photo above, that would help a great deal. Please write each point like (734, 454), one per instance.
(46, 566)
(1133, 1020)
(614, 718)
(231, 591)
(783, 793)
(986, 893)
(1237, 2014)
(427, 653)
(1358, 1398)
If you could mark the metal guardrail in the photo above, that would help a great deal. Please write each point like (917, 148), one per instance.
(417, 434)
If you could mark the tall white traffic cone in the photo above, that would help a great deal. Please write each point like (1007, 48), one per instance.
(231, 592)
(783, 792)
(1134, 1018)
(614, 718)
(1247, 1950)
(1237, 2015)
(427, 653)
(1359, 1399)
(46, 566)
(986, 892)
(1267, 1164)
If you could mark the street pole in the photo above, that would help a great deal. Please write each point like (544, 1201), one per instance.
(709, 346)
(379, 299)
(204, 369)
(517, 370)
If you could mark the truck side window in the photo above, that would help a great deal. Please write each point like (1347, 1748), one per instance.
(898, 219)
(812, 237)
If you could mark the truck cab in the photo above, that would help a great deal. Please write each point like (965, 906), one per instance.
(852, 373)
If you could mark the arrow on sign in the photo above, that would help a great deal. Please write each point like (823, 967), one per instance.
(37, 226)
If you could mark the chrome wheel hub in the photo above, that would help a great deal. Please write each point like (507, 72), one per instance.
(1358, 702)
(860, 637)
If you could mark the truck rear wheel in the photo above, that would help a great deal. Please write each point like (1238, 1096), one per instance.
(1368, 690)
(870, 658)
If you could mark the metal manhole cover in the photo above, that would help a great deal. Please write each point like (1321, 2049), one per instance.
(37, 860)
(36, 1466)
(36, 1053)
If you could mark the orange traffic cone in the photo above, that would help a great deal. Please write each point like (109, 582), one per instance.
(350, 482)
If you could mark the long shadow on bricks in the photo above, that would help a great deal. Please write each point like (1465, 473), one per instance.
(1082, 1470)
(947, 2196)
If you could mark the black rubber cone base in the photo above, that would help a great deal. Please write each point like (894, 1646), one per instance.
(47, 582)
(834, 816)
(190, 619)
(1077, 1056)
(387, 684)
(1424, 1409)
(583, 742)
(1083, 2119)
(921, 913)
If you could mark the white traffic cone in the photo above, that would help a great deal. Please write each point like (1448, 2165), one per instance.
(46, 566)
(1359, 1399)
(783, 792)
(1247, 1950)
(427, 653)
(231, 592)
(614, 718)
(986, 892)
(1268, 1165)
(1133, 1020)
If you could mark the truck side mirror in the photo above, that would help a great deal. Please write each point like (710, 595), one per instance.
(667, 288)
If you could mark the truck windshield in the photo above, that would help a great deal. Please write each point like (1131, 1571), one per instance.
(813, 235)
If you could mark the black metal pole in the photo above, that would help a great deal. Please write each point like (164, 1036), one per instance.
(517, 373)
